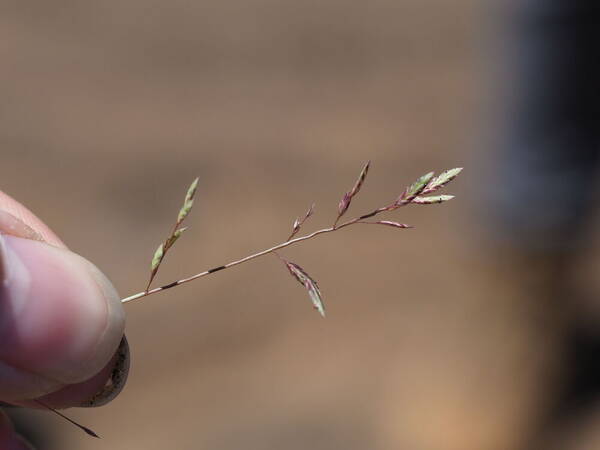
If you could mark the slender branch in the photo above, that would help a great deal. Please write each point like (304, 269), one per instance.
(89, 431)
(426, 183)
(153, 274)
(176, 232)
(239, 261)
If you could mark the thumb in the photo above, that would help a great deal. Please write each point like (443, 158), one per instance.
(61, 320)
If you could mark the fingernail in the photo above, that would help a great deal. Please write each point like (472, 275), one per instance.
(60, 318)
(117, 380)
(98, 390)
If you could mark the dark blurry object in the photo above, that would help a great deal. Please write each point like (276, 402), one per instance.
(550, 139)
(543, 175)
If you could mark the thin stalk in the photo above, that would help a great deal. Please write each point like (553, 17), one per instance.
(89, 431)
(239, 261)
(154, 274)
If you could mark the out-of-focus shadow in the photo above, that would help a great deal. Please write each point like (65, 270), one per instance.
(540, 195)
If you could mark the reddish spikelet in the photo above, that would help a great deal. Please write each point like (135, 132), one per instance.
(309, 283)
(309, 213)
(299, 222)
(360, 180)
(347, 198)
(295, 227)
(344, 204)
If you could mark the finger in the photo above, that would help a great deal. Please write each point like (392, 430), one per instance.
(97, 391)
(61, 320)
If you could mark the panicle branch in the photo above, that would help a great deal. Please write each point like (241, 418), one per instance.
(347, 197)
(416, 194)
(300, 221)
(176, 232)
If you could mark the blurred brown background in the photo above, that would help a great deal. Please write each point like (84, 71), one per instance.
(109, 109)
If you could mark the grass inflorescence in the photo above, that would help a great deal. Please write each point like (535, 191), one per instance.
(417, 193)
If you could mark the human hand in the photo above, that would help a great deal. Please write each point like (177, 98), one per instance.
(61, 322)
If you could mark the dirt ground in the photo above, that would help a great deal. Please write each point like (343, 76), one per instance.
(109, 109)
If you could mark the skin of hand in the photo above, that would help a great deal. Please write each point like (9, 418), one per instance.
(61, 322)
